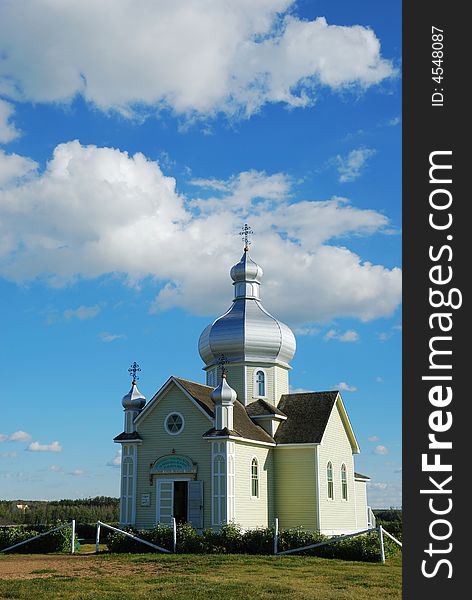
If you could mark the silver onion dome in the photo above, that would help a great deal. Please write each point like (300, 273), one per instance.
(247, 332)
(133, 400)
(224, 393)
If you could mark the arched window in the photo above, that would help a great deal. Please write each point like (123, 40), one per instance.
(344, 482)
(254, 478)
(219, 490)
(127, 491)
(211, 379)
(260, 383)
(329, 477)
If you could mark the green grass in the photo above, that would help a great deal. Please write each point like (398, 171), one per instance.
(212, 577)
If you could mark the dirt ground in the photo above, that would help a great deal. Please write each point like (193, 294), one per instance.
(30, 566)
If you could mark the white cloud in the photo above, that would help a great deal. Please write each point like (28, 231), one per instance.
(8, 131)
(82, 312)
(52, 447)
(56, 469)
(348, 336)
(373, 438)
(191, 58)
(17, 436)
(379, 485)
(345, 387)
(14, 167)
(77, 472)
(20, 436)
(382, 450)
(116, 461)
(308, 330)
(92, 205)
(351, 166)
(106, 337)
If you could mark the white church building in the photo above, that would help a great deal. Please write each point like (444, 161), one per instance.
(241, 448)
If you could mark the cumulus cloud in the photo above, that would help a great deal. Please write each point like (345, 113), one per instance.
(82, 312)
(382, 450)
(351, 166)
(37, 447)
(193, 58)
(17, 436)
(116, 461)
(8, 131)
(90, 206)
(345, 387)
(14, 167)
(373, 438)
(348, 336)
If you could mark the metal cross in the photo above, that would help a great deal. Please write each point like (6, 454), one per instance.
(245, 232)
(133, 370)
(222, 361)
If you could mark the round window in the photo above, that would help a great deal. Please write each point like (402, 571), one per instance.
(174, 423)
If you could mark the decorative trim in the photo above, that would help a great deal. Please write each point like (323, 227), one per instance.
(241, 439)
(295, 446)
(318, 488)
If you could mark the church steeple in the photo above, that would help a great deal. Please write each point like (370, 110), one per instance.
(224, 398)
(133, 402)
(258, 346)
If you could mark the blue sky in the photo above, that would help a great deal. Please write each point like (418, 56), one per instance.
(132, 149)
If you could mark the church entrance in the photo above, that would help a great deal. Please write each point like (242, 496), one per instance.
(181, 501)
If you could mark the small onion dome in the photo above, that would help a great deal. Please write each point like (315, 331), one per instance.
(246, 270)
(133, 400)
(224, 393)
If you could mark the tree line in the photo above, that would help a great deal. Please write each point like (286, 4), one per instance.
(41, 512)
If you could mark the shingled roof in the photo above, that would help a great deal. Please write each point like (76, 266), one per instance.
(308, 415)
(127, 437)
(262, 408)
(243, 425)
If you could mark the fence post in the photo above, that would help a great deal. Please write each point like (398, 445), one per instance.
(97, 538)
(276, 535)
(72, 548)
(174, 536)
(381, 542)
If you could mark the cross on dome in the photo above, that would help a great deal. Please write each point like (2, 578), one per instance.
(222, 361)
(134, 368)
(245, 232)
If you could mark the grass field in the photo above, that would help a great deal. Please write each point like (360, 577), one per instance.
(195, 577)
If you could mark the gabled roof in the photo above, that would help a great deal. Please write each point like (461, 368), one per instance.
(243, 426)
(262, 408)
(360, 476)
(308, 415)
(201, 396)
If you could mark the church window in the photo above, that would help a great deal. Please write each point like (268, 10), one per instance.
(219, 490)
(127, 491)
(344, 482)
(260, 383)
(211, 379)
(174, 423)
(254, 478)
(329, 477)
